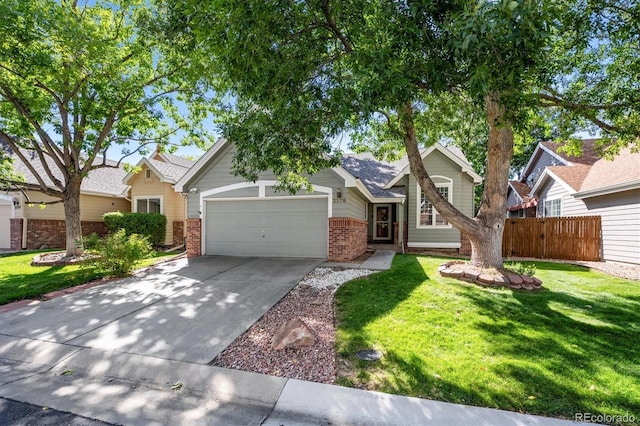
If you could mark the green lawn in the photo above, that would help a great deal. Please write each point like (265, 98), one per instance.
(573, 347)
(20, 280)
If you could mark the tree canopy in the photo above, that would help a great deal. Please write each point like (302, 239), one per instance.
(301, 72)
(77, 80)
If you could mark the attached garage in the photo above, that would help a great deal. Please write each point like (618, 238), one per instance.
(269, 226)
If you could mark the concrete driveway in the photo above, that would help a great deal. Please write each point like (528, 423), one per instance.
(183, 310)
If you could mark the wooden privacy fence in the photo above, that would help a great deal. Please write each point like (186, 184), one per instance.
(571, 238)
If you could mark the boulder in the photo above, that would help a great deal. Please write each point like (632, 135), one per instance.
(294, 334)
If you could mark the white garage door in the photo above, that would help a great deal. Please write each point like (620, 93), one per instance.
(5, 225)
(292, 227)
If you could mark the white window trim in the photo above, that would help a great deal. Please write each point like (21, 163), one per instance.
(448, 184)
(548, 200)
(146, 197)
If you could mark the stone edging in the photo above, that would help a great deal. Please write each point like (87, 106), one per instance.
(510, 279)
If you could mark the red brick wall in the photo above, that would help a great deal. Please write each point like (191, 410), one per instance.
(347, 238)
(52, 233)
(16, 233)
(405, 232)
(194, 238)
(178, 233)
(465, 245)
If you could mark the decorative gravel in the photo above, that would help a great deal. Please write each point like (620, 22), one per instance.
(312, 301)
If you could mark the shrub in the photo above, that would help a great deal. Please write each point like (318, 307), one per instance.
(151, 225)
(521, 269)
(119, 253)
(90, 242)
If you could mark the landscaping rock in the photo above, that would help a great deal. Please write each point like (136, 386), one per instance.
(457, 273)
(502, 281)
(446, 272)
(294, 334)
(537, 282)
(485, 279)
(471, 276)
(515, 286)
(527, 286)
(515, 279)
(527, 279)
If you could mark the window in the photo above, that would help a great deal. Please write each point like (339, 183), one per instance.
(149, 205)
(552, 208)
(427, 214)
(147, 175)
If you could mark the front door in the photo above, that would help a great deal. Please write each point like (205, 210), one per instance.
(382, 222)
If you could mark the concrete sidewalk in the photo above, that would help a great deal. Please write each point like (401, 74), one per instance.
(380, 260)
(137, 390)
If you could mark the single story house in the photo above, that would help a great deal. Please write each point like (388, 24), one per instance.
(565, 186)
(27, 223)
(151, 191)
(363, 200)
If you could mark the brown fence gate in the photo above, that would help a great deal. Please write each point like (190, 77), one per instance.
(571, 238)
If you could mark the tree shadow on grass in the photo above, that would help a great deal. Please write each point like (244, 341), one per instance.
(372, 297)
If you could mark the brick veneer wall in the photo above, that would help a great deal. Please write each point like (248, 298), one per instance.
(16, 233)
(465, 245)
(405, 232)
(178, 233)
(52, 233)
(194, 238)
(347, 238)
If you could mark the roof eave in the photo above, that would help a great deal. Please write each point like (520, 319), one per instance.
(464, 166)
(610, 189)
(202, 161)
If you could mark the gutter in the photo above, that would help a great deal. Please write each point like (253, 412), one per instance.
(610, 189)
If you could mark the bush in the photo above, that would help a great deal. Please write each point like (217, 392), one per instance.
(119, 253)
(521, 269)
(151, 225)
(90, 242)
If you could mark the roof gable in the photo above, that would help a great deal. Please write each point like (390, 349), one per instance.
(465, 167)
(167, 172)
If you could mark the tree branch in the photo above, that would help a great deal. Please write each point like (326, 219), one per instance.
(348, 47)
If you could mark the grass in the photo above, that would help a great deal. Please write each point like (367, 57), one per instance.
(20, 280)
(573, 347)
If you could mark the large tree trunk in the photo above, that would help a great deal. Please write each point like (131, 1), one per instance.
(74, 243)
(485, 230)
(486, 242)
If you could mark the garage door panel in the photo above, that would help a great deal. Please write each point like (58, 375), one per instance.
(283, 228)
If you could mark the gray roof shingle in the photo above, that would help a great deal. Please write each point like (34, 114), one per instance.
(105, 180)
(170, 171)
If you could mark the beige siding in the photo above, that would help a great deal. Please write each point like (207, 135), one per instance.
(92, 207)
(620, 214)
(462, 197)
(173, 203)
(218, 174)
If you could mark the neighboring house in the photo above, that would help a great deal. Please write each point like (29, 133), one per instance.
(152, 191)
(26, 223)
(363, 200)
(588, 185)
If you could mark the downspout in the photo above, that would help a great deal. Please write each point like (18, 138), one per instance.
(401, 226)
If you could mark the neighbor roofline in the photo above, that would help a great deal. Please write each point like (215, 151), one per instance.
(609, 189)
(464, 166)
(515, 191)
(145, 161)
(549, 174)
(539, 148)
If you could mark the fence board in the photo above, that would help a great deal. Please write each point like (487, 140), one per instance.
(570, 238)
